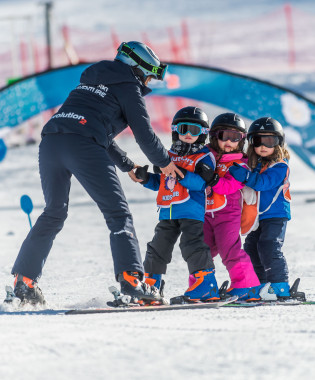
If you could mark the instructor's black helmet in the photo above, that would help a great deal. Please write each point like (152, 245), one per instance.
(266, 124)
(191, 115)
(228, 119)
(143, 61)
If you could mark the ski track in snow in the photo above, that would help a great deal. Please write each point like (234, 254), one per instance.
(257, 343)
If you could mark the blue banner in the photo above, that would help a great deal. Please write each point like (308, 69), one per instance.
(247, 96)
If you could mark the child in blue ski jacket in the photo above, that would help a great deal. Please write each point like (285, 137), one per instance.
(182, 206)
(268, 159)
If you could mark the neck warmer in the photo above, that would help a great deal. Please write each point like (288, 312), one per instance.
(183, 149)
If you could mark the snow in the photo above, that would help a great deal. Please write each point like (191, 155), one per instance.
(257, 343)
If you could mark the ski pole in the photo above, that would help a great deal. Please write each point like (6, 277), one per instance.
(27, 206)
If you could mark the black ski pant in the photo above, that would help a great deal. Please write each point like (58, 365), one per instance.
(264, 246)
(60, 157)
(193, 248)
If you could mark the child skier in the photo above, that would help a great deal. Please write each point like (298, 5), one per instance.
(268, 159)
(182, 206)
(223, 216)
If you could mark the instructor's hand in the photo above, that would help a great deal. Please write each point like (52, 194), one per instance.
(171, 170)
(132, 174)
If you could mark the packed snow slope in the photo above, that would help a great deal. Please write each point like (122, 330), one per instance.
(258, 343)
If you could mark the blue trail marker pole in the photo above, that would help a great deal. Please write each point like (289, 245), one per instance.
(27, 206)
(3, 150)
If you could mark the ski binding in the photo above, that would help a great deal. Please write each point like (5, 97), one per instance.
(10, 297)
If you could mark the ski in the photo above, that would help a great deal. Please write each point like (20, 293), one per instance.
(265, 303)
(146, 308)
(125, 303)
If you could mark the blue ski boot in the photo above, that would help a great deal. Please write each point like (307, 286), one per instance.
(153, 279)
(281, 289)
(246, 294)
(205, 287)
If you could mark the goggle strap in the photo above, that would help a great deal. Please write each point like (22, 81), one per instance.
(147, 66)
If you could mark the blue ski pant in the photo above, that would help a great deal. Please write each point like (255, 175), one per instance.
(60, 157)
(264, 246)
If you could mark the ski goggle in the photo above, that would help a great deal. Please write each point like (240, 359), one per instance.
(157, 71)
(269, 141)
(192, 128)
(233, 136)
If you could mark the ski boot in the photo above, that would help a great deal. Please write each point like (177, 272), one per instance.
(131, 285)
(204, 288)
(246, 294)
(283, 291)
(153, 279)
(28, 291)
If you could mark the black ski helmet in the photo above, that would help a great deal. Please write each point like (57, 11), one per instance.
(142, 60)
(266, 124)
(193, 115)
(228, 119)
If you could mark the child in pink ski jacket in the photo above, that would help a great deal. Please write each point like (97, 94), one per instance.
(224, 207)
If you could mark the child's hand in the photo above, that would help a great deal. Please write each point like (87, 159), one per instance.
(209, 191)
(207, 174)
(239, 173)
(142, 174)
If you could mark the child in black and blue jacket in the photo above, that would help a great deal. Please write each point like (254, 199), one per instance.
(182, 206)
(269, 160)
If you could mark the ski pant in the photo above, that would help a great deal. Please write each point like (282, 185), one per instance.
(194, 251)
(60, 157)
(222, 234)
(264, 248)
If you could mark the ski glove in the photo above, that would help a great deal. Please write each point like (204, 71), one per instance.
(157, 170)
(142, 173)
(240, 173)
(207, 174)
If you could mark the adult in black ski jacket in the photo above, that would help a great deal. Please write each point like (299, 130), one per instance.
(79, 140)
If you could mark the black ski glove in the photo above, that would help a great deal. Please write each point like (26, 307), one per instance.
(142, 173)
(157, 170)
(207, 174)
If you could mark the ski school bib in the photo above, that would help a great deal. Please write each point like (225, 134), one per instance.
(216, 201)
(171, 191)
(250, 212)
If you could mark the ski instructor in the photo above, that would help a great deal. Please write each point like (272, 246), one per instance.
(79, 140)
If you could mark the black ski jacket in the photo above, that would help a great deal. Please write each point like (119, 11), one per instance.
(107, 100)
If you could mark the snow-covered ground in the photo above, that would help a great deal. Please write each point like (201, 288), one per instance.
(257, 343)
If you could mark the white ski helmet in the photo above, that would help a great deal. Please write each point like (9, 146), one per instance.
(142, 59)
